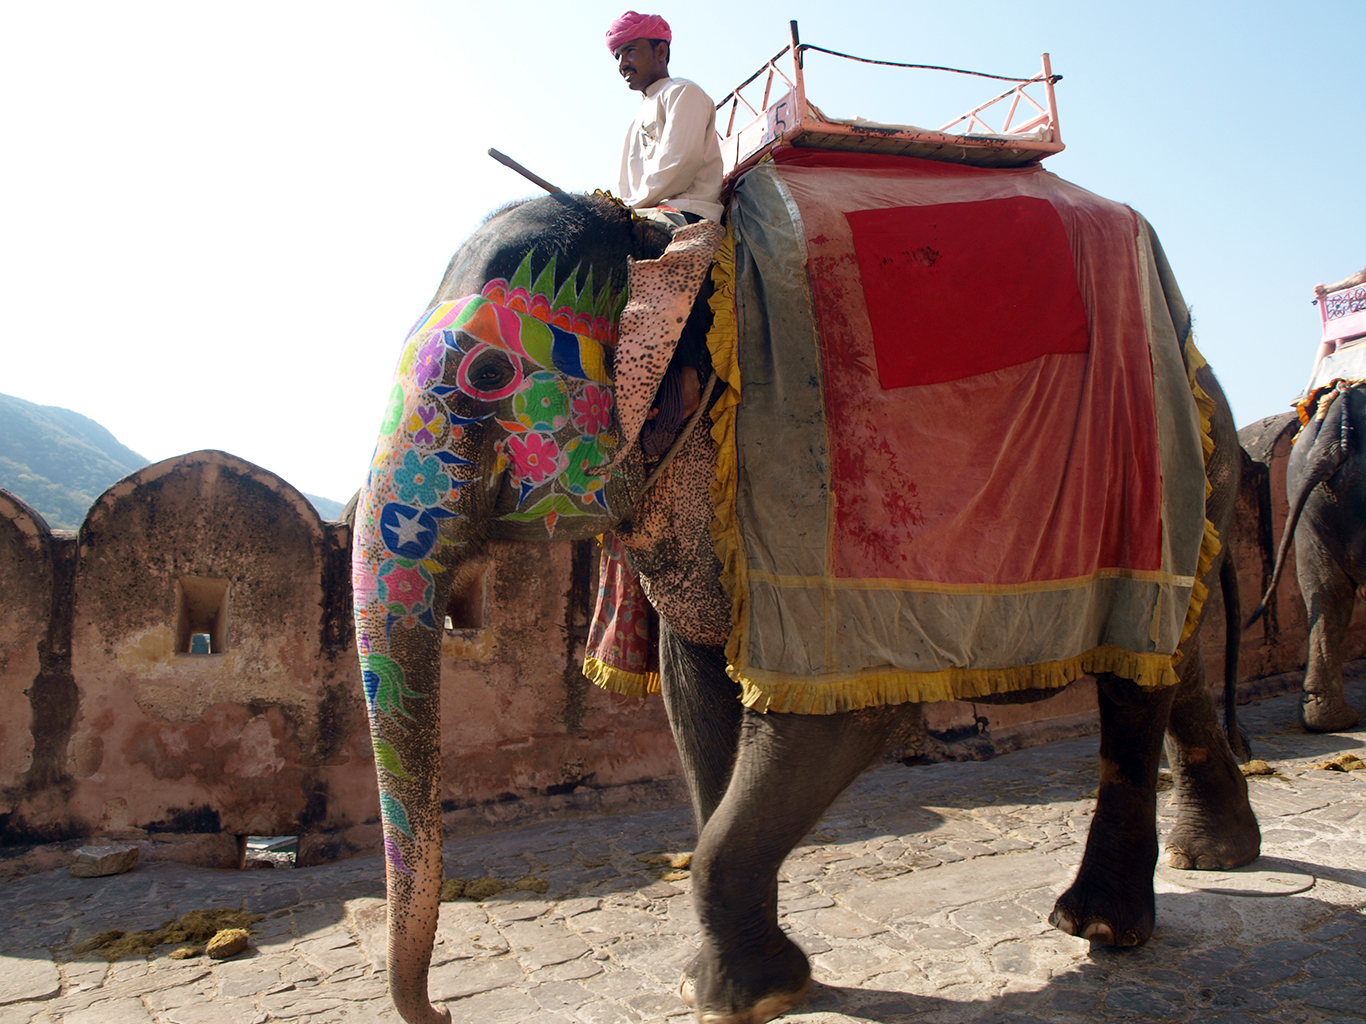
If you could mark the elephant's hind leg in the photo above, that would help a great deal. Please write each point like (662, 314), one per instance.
(1329, 597)
(1215, 827)
(1111, 900)
(788, 771)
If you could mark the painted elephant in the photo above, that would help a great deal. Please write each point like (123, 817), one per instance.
(499, 424)
(1325, 481)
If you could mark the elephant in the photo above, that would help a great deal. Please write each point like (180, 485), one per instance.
(1325, 481)
(457, 466)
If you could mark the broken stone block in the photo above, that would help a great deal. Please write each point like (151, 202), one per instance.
(95, 861)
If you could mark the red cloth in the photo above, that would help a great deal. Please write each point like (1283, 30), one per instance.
(991, 419)
(624, 635)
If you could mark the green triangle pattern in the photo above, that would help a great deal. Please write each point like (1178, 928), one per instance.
(545, 280)
(522, 279)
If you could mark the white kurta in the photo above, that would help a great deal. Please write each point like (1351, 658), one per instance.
(671, 153)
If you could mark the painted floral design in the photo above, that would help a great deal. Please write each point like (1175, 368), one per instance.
(421, 481)
(593, 409)
(425, 424)
(553, 337)
(395, 857)
(535, 457)
(405, 587)
(393, 410)
(431, 360)
(542, 404)
(581, 455)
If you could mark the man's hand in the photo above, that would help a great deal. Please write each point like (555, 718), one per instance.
(1350, 281)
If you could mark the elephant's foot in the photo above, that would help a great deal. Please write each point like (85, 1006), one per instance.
(730, 990)
(687, 984)
(1215, 828)
(1327, 712)
(1112, 900)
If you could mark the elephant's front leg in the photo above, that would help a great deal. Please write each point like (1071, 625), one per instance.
(1329, 597)
(703, 705)
(788, 770)
(1112, 900)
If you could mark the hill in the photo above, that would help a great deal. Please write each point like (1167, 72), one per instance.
(60, 461)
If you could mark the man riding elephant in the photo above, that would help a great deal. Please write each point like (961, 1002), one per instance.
(671, 160)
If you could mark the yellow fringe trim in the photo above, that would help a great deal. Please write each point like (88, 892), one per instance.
(722, 342)
(618, 680)
(830, 695)
(1209, 544)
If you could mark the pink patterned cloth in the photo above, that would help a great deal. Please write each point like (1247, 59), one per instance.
(624, 635)
(636, 26)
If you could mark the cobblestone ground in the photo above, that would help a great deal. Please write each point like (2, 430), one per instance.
(923, 896)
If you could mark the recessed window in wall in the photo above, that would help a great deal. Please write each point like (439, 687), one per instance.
(201, 615)
(468, 604)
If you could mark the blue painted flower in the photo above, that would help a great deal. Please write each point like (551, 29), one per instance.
(421, 481)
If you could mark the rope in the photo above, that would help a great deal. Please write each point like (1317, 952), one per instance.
(682, 437)
(924, 67)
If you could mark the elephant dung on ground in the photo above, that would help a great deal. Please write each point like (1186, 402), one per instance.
(1325, 485)
(502, 416)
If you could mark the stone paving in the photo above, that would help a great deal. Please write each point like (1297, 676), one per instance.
(922, 896)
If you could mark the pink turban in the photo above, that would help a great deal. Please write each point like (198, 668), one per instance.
(636, 26)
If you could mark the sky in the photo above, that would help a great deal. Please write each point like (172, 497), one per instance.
(218, 221)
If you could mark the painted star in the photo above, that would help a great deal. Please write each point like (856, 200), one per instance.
(410, 529)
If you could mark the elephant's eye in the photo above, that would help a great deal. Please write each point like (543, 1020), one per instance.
(491, 372)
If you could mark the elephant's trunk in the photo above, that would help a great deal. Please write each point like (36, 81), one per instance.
(400, 654)
(414, 902)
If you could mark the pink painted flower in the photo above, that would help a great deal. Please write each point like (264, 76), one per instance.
(593, 410)
(535, 457)
(405, 589)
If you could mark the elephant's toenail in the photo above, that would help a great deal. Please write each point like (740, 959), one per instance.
(1098, 931)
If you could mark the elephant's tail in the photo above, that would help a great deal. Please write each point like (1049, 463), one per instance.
(1329, 451)
(1233, 636)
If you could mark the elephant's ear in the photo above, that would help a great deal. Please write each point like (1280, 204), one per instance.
(661, 297)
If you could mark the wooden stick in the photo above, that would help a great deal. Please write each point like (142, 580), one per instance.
(507, 161)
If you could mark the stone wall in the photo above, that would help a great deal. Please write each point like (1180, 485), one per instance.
(114, 726)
